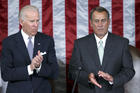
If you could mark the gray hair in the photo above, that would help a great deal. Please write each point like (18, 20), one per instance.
(99, 9)
(26, 8)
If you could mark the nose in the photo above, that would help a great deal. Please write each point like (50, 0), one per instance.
(100, 23)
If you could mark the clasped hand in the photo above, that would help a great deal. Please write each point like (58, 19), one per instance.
(36, 61)
(102, 74)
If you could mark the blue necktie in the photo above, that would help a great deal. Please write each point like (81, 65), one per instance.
(101, 50)
(30, 47)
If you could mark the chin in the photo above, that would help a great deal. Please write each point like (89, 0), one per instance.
(33, 34)
(101, 35)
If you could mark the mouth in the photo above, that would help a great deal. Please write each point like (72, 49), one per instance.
(35, 29)
(100, 29)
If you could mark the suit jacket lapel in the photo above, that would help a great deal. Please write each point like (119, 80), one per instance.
(92, 48)
(22, 47)
(37, 45)
(107, 50)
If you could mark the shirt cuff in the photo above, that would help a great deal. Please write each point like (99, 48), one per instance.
(30, 72)
(111, 83)
(38, 69)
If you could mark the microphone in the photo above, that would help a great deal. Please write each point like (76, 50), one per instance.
(79, 70)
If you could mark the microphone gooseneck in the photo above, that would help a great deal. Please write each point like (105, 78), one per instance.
(79, 69)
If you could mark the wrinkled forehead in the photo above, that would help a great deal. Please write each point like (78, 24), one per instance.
(30, 11)
(99, 15)
(31, 14)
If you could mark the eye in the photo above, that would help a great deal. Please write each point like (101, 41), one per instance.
(103, 20)
(32, 21)
(37, 20)
(96, 21)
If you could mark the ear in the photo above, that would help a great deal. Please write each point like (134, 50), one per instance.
(109, 22)
(91, 24)
(21, 21)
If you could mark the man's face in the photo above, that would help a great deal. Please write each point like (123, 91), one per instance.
(30, 23)
(100, 23)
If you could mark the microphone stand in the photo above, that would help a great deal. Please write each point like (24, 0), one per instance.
(79, 69)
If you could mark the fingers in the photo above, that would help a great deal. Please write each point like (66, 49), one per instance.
(102, 74)
(37, 60)
(106, 76)
(39, 53)
(93, 80)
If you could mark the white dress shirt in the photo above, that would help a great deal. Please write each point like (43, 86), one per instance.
(104, 42)
(103, 39)
(26, 40)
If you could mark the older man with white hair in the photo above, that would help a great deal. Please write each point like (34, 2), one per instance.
(28, 57)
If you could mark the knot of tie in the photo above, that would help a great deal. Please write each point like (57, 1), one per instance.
(29, 37)
(100, 43)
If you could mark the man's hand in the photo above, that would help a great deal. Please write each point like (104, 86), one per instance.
(93, 80)
(106, 76)
(36, 61)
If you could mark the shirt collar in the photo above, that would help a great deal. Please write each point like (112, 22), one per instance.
(103, 39)
(25, 37)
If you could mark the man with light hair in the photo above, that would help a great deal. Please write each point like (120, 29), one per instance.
(28, 58)
(22, 13)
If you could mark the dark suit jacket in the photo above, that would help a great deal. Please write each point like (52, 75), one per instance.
(117, 61)
(15, 60)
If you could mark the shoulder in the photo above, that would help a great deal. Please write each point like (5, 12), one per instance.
(10, 38)
(117, 38)
(85, 38)
(84, 41)
(44, 36)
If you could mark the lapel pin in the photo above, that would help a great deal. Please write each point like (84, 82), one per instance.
(38, 43)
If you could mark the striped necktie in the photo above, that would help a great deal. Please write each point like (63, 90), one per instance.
(30, 47)
(101, 50)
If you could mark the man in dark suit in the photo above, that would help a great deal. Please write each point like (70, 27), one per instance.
(104, 58)
(28, 57)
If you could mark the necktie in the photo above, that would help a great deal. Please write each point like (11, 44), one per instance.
(30, 47)
(101, 50)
